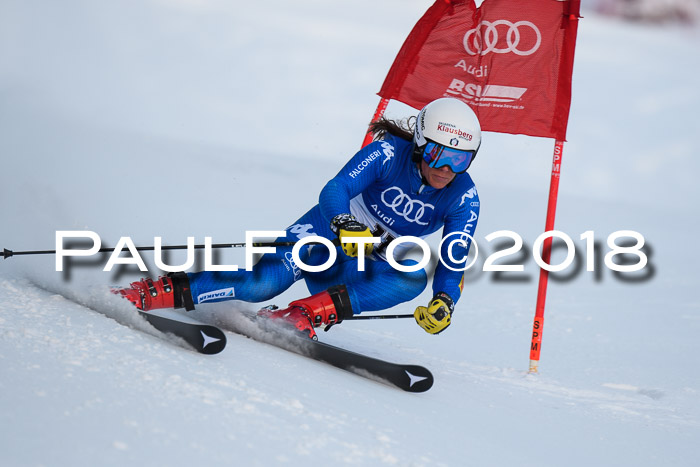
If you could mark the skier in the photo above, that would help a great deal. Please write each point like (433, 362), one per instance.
(410, 181)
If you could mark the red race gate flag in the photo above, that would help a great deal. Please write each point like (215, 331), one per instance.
(510, 60)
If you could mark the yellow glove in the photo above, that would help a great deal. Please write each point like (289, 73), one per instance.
(346, 226)
(437, 315)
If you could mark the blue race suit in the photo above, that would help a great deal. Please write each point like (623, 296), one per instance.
(384, 190)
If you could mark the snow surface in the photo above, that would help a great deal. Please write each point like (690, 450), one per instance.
(209, 118)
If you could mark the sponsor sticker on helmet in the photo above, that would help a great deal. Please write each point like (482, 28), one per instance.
(453, 130)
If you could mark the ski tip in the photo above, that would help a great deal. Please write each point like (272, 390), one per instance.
(203, 338)
(213, 340)
(418, 378)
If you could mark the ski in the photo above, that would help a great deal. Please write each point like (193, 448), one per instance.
(209, 339)
(410, 378)
(204, 338)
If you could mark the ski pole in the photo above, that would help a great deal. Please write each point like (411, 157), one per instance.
(356, 318)
(9, 253)
(378, 317)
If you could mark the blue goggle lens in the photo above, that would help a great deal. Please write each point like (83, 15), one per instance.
(436, 156)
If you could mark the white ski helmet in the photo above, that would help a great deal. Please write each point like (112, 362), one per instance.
(448, 122)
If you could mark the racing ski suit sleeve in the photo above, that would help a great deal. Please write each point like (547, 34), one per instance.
(367, 165)
(461, 220)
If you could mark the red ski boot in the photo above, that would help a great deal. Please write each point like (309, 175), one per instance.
(171, 291)
(325, 308)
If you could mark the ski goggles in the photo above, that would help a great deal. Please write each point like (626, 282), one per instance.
(436, 156)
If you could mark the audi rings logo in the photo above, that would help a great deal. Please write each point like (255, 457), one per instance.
(478, 42)
(295, 269)
(404, 206)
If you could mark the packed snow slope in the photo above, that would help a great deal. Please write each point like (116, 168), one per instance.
(210, 118)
